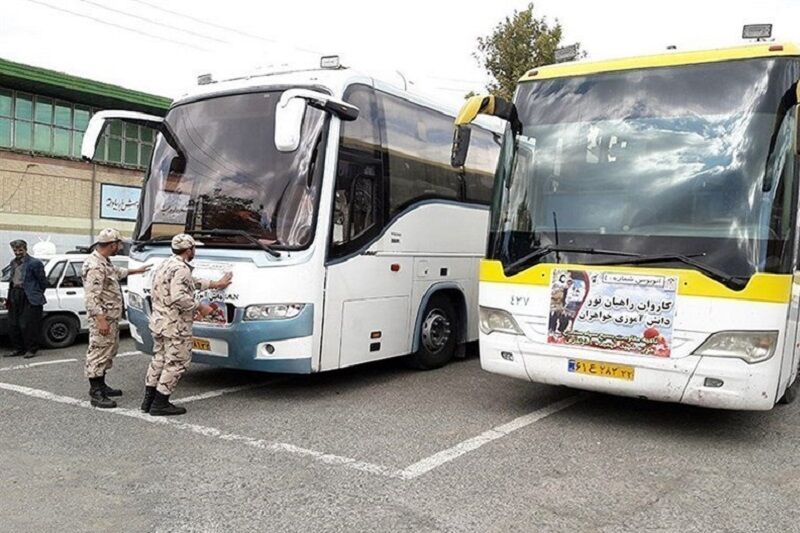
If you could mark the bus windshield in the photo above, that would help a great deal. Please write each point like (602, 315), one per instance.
(220, 170)
(695, 161)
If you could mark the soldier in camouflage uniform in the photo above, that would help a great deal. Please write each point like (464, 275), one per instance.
(104, 307)
(174, 309)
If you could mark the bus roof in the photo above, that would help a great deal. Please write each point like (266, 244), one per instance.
(669, 59)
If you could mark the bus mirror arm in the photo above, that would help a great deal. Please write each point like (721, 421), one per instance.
(98, 123)
(291, 110)
(480, 105)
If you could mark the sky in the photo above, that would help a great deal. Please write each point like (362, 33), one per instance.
(161, 46)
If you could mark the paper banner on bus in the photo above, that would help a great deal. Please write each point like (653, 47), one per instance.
(617, 311)
(213, 297)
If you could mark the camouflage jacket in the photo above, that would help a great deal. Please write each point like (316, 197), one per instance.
(101, 286)
(173, 300)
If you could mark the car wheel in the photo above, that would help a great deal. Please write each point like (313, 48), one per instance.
(437, 337)
(59, 331)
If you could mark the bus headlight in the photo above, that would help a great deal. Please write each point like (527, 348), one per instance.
(272, 311)
(498, 320)
(135, 301)
(750, 346)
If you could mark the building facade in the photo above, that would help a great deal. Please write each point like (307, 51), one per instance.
(47, 193)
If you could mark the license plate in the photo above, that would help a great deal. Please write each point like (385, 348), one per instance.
(603, 370)
(201, 344)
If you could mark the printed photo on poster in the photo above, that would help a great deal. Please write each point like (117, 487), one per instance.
(215, 298)
(612, 311)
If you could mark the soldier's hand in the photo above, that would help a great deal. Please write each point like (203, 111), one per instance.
(204, 310)
(141, 270)
(222, 282)
(103, 327)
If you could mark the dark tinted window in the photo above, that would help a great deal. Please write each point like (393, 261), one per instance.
(72, 277)
(419, 141)
(358, 197)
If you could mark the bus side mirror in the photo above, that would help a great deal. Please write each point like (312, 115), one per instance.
(99, 121)
(291, 110)
(474, 106)
(461, 137)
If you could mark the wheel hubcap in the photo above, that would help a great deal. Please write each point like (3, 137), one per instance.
(436, 331)
(59, 332)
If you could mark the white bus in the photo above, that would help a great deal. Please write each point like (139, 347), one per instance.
(330, 196)
(644, 233)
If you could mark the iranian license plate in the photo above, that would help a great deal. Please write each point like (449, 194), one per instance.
(201, 344)
(603, 370)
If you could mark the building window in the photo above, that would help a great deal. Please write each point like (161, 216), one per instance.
(54, 127)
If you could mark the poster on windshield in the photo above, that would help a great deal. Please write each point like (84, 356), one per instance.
(213, 297)
(612, 311)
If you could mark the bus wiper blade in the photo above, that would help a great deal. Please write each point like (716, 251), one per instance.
(235, 233)
(732, 282)
(161, 239)
(520, 264)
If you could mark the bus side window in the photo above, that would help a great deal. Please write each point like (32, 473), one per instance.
(357, 203)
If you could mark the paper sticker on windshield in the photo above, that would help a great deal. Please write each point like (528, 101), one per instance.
(612, 311)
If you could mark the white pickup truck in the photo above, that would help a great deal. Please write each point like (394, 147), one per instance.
(65, 311)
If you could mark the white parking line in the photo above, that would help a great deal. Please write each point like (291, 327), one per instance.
(413, 471)
(221, 392)
(128, 354)
(438, 459)
(39, 363)
(207, 431)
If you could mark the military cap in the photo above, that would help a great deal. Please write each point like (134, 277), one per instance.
(182, 241)
(108, 235)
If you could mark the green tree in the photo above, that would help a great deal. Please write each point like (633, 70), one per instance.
(517, 44)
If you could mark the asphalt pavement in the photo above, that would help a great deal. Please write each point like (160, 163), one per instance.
(380, 447)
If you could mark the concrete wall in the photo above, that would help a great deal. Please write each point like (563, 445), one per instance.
(43, 198)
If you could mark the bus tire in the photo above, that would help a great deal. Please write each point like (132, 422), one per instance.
(59, 331)
(437, 336)
(790, 395)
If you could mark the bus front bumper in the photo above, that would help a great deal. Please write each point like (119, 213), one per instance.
(283, 346)
(693, 380)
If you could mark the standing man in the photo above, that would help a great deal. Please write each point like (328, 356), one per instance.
(25, 301)
(104, 306)
(174, 309)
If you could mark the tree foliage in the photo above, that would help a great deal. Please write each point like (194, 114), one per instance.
(517, 44)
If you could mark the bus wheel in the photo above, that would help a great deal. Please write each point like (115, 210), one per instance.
(437, 335)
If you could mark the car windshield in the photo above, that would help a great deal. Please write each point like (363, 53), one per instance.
(220, 170)
(693, 160)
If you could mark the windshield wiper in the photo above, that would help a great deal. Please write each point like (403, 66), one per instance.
(235, 233)
(733, 282)
(161, 239)
(520, 264)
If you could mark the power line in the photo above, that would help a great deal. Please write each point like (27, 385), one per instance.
(151, 21)
(119, 26)
(220, 26)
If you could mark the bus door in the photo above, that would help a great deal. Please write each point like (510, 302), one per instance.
(366, 294)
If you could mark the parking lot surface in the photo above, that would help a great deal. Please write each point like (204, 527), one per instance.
(380, 447)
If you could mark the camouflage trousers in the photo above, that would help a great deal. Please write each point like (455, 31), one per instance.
(102, 349)
(171, 357)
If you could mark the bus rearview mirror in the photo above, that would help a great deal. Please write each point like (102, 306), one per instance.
(291, 109)
(99, 121)
(461, 137)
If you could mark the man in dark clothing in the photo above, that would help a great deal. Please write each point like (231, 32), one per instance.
(26, 287)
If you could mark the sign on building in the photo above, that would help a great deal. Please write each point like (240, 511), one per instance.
(118, 202)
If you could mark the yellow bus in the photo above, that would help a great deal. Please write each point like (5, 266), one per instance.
(644, 232)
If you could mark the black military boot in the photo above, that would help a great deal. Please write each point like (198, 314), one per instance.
(162, 407)
(149, 395)
(98, 397)
(108, 390)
